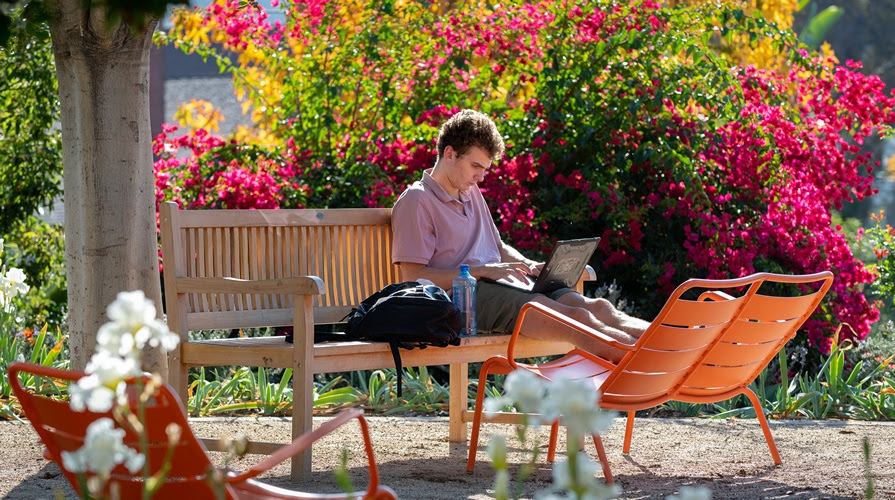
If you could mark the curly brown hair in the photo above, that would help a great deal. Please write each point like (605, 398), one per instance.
(470, 128)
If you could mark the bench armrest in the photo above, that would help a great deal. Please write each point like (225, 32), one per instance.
(589, 274)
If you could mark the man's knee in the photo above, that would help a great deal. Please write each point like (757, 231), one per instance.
(581, 315)
(592, 304)
(601, 306)
(578, 312)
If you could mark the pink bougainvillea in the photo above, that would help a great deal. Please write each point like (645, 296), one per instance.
(619, 122)
(216, 173)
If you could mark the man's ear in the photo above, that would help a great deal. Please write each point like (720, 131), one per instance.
(449, 153)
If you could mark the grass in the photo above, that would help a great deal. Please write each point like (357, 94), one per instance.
(42, 348)
(860, 386)
(835, 391)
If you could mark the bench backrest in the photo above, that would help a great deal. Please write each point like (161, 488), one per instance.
(349, 249)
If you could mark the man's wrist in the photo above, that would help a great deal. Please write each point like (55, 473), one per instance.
(475, 272)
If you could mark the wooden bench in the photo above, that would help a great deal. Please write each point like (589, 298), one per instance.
(228, 269)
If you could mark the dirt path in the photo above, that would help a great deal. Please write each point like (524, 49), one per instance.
(820, 459)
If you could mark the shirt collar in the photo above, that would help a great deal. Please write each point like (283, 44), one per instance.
(439, 191)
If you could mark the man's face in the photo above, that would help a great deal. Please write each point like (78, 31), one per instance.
(468, 169)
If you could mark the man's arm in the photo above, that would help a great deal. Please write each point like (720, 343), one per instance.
(518, 266)
(509, 254)
(444, 278)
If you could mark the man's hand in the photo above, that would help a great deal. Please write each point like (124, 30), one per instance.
(518, 270)
(509, 256)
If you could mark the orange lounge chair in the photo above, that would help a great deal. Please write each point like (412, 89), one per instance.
(62, 429)
(705, 347)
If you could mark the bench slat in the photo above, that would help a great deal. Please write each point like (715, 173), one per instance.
(285, 218)
(275, 352)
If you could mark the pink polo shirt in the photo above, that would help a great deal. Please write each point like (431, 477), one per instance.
(431, 228)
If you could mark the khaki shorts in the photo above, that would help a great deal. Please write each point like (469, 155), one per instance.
(496, 306)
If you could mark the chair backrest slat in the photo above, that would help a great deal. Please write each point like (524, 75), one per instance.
(649, 360)
(738, 354)
(681, 337)
(639, 386)
(691, 313)
(753, 332)
(768, 308)
(722, 378)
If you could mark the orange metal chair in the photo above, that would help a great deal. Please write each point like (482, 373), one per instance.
(707, 344)
(62, 429)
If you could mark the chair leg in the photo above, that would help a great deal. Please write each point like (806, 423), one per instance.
(479, 402)
(551, 450)
(601, 452)
(629, 430)
(759, 413)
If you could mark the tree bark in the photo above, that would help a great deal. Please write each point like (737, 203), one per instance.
(110, 222)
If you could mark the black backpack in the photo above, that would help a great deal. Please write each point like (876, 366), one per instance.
(408, 315)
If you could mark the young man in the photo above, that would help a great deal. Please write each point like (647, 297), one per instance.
(442, 221)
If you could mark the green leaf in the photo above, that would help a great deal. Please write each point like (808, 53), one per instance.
(342, 395)
(817, 27)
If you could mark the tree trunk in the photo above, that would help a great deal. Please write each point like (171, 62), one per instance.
(110, 225)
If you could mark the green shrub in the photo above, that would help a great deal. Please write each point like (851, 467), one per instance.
(621, 121)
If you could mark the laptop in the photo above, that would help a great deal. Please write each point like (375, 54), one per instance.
(563, 268)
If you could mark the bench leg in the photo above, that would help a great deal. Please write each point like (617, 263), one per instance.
(302, 382)
(459, 401)
(178, 376)
(302, 422)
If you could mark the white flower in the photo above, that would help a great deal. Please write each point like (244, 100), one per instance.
(235, 446)
(133, 326)
(502, 484)
(496, 405)
(527, 390)
(157, 334)
(131, 308)
(692, 493)
(88, 393)
(103, 449)
(523, 390)
(16, 279)
(576, 402)
(105, 381)
(12, 284)
(565, 479)
(115, 339)
(497, 451)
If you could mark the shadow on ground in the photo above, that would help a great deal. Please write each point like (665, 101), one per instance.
(821, 460)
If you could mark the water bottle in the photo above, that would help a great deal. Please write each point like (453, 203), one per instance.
(464, 299)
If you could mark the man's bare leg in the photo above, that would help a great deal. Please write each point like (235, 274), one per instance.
(598, 314)
(605, 312)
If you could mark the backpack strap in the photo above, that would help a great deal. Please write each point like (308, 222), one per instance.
(393, 343)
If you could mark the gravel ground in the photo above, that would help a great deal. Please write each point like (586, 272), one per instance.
(820, 459)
